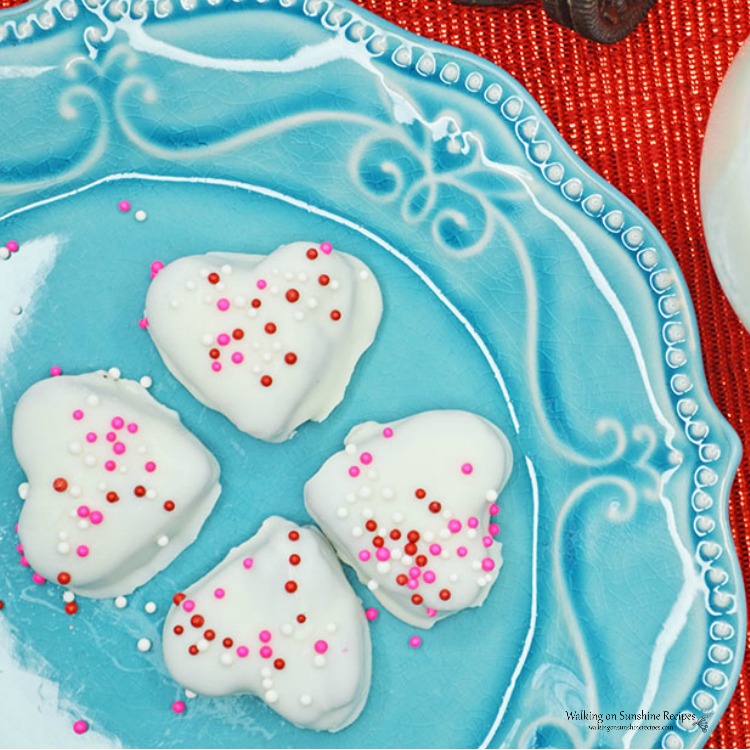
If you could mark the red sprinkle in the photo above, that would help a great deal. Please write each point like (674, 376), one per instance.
(63, 578)
(197, 621)
(402, 579)
(227, 643)
(378, 541)
(324, 279)
(209, 635)
(420, 560)
(71, 608)
(410, 548)
(301, 619)
(292, 295)
(178, 598)
(335, 315)
(238, 334)
(214, 353)
(266, 381)
(293, 536)
(193, 650)
(312, 253)
(413, 536)
(371, 525)
(270, 328)
(139, 490)
(279, 663)
(214, 278)
(421, 494)
(294, 559)
(169, 506)
(178, 629)
(112, 497)
(60, 484)
(395, 534)
(416, 599)
(290, 586)
(445, 594)
(290, 358)
(435, 507)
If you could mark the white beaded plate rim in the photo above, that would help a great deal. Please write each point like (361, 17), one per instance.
(717, 454)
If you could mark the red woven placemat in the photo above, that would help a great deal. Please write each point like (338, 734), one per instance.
(636, 113)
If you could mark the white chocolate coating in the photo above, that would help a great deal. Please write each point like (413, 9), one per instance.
(314, 673)
(408, 505)
(109, 530)
(303, 324)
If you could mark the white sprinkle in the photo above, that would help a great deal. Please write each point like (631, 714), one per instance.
(190, 285)
(73, 513)
(271, 696)
(226, 659)
(202, 644)
(255, 346)
(68, 597)
(342, 512)
(334, 285)
(204, 272)
(226, 269)
(319, 660)
(174, 303)
(407, 560)
(471, 533)
(151, 494)
(142, 449)
(150, 607)
(312, 303)
(357, 532)
(143, 645)
(387, 493)
(102, 486)
(286, 629)
(476, 565)
(288, 275)
(240, 301)
(190, 694)
(63, 548)
(123, 470)
(4, 253)
(273, 289)
(299, 315)
(62, 535)
(256, 369)
(267, 356)
(140, 215)
(207, 299)
(397, 553)
(365, 491)
(302, 276)
(267, 684)
(397, 517)
(305, 699)
(367, 512)
(114, 373)
(23, 490)
(92, 399)
(350, 497)
(351, 449)
(121, 602)
(265, 672)
(481, 582)
(491, 496)
(373, 585)
(444, 533)
(16, 310)
(383, 566)
(163, 540)
(428, 535)
(207, 339)
(453, 577)
(363, 275)
(331, 627)
(74, 447)
(90, 460)
(75, 491)
(83, 524)
(372, 474)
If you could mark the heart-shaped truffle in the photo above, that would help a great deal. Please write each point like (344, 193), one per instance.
(410, 507)
(117, 486)
(269, 341)
(277, 619)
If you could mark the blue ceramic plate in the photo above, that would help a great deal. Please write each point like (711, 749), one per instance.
(517, 284)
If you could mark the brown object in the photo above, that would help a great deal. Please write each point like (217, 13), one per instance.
(605, 21)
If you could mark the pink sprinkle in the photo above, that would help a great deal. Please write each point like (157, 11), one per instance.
(38, 579)
(132, 428)
(24, 562)
(156, 266)
(467, 468)
(143, 322)
(261, 284)
(223, 304)
(412, 583)
(90, 437)
(242, 651)
(473, 522)
(82, 550)
(55, 371)
(415, 641)
(488, 564)
(487, 541)
(124, 206)
(118, 423)
(321, 646)
(383, 554)
(248, 562)
(354, 471)
(111, 437)
(188, 605)
(435, 549)
(454, 526)
(266, 652)
(237, 358)
(428, 577)
(119, 448)
(494, 510)
(387, 432)
(494, 529)
(110, 465)
(223, 339)
(364, 555)
(78, 415)
(366, 458)
(96, 517)
(12, 246)
(178, 707)
(264, 636)
(219, 593)
(83, 511)
(216, 366)
(150, 466)
(415, 572)
(80, 726)
(431, 612)
(326, 247)
(462, 552)
(371, 614)
(19, 549)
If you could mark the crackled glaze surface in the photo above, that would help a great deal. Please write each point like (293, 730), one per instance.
(516, 285)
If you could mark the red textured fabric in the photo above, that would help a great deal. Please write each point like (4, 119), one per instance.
(636, 112)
